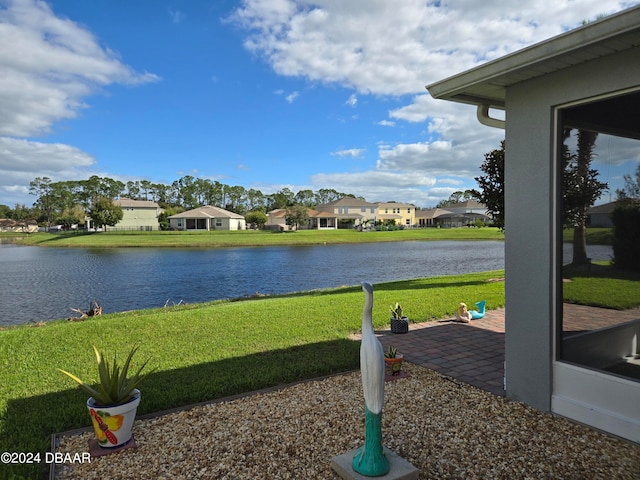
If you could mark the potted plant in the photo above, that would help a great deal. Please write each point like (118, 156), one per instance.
(113, 402)
(399, 322)
(392, 361)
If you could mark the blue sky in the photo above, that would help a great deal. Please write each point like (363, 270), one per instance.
(265, 94)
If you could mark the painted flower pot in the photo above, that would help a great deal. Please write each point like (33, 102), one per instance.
(113, 423)
(392, 366)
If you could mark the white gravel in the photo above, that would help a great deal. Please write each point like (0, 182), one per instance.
(446, 429)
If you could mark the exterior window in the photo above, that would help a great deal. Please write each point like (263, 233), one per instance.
(218, 222)
(386, 210)
(599, 151)
(363, 209)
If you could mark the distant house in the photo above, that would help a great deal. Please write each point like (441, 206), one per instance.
(456, 215)
(317, 220)
(428, 217)
(350, 211)
(600, 215)
(207, 218)
(403, 213)
(137, 215)
(18, 226)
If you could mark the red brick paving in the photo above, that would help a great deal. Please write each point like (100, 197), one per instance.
(474, 352)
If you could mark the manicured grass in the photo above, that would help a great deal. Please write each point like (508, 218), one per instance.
(247, 238)
(204, 351)
(207, 351)
(595, 236)
(602, 286)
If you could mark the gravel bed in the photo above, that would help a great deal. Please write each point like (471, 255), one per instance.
(447, 429)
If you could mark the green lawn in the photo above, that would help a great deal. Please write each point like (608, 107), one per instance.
(248, 238)
(204, 351)
(212, 350)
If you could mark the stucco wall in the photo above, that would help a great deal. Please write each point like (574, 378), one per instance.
(530, 259)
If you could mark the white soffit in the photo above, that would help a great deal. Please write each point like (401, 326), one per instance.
(486, 84)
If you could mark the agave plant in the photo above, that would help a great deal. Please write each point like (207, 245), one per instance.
(391, 352)
(114, 387)
(396, 311)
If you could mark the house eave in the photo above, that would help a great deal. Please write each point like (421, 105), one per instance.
(487, 83)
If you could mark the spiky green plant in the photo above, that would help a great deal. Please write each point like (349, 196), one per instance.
(391, 352)
(114, 387)
(396, 311)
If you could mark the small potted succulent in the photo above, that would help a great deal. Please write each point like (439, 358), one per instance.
(392, 361)
(399, 322)
(113, 402)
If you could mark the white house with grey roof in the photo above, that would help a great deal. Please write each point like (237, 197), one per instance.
(586, 79)
(207, 218)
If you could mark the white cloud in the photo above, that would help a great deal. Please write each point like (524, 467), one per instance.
(292, 96)
(387, 50)
(351, 152)
(49, 64)
(176, 15)
(21, 161)
(352, 101)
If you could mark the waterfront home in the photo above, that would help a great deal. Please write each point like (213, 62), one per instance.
(207, 218)
(350, 211)
(18, 226)
(584, 79)
(403, 214)
(600, 215)
(276, 220)
(137, 215)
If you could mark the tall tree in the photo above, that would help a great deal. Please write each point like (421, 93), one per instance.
(104, 213)
(306, 198)
(41, 187)
(631, 188)
(581, 188)
(491, 185)
(296, 215)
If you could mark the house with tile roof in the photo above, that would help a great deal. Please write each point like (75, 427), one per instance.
(350, 211)
(317, 220)
(207, 217)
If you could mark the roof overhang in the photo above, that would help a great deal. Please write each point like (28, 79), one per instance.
(486, 84)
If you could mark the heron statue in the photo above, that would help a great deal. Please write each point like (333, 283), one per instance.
(370, 459)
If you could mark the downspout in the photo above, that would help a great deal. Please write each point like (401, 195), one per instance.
(484, 118)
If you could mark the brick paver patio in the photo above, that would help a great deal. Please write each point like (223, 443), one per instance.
(474, 352)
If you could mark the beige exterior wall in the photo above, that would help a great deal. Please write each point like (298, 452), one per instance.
(405, 211)
(134, 217)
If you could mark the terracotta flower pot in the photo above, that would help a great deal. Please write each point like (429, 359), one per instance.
(393, 365)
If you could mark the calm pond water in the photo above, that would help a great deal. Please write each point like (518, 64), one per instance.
(45, 283)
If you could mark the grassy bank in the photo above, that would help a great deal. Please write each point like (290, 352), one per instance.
(212, 350)
(204, 351)
(253, 238)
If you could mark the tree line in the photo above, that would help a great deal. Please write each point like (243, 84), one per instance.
(65, 201)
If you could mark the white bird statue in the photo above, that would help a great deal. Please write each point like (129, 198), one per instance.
(371, 357)
(370, 460)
